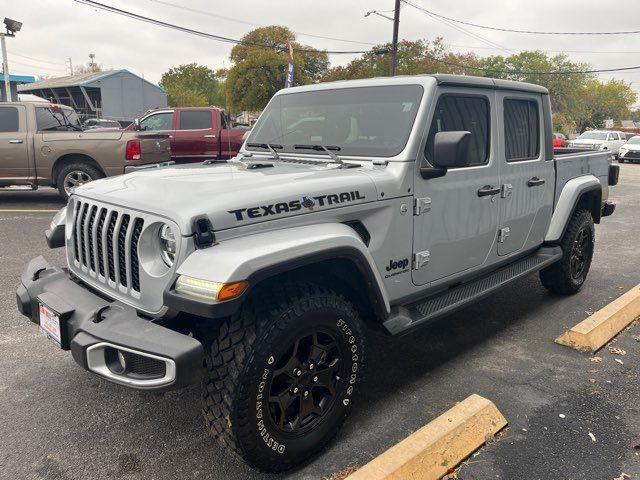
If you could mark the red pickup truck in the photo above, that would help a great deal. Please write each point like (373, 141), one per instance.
(196, 133)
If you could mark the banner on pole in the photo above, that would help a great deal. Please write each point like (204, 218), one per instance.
(289, 81)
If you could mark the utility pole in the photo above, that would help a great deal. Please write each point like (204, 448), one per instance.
(5, 70)
(394, 47)
(70, 61)
(12, 26)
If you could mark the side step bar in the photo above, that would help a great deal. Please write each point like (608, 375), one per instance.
(411, 315)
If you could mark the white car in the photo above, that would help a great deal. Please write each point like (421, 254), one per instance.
(599, 140)
(630, 151)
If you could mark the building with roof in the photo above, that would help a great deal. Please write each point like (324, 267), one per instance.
(115, 94)
(14, 80)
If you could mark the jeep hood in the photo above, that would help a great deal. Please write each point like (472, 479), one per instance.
(232, 195)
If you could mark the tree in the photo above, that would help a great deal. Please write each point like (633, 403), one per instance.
(192, 85)
(414, 57)
(258, 72)
(600, 101)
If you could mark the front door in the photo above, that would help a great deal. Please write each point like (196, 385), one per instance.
(526, 176)
(455, 229)
(14, 151)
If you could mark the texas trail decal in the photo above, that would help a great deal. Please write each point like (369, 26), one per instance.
(309, 203)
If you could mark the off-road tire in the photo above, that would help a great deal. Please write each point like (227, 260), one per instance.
(559, 278)
(239, 365)
(91, 171)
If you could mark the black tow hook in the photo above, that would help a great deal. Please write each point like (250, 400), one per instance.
(97, 316)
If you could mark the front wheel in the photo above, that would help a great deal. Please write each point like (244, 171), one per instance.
(280, 378)
(567, 276)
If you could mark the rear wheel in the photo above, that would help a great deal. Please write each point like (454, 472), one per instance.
(75, 174)
(568, 275)
(620, 160)
(280, 378)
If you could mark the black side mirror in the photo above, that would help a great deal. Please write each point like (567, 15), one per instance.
(450, 150)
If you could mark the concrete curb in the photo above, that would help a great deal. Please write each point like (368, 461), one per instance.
(432, 451)
(592, 334)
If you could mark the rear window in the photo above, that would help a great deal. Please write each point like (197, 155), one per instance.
(9, 121)
(47, 119)
(521, 130)
(196, 120)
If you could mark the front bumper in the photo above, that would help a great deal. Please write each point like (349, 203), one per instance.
(93, 328)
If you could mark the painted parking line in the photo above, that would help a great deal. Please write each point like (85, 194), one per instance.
(438, 447)
(595, 332)
(27, 211)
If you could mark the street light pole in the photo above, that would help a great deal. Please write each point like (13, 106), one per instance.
(5, 69)
(394, 48)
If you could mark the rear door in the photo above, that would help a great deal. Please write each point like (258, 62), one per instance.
(457, 214)
(14, 148)
(196, 136)
(526, 177)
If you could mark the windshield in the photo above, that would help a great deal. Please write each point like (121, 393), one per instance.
(360, 121)
(48, 119)
(634, 140)
(593, 136)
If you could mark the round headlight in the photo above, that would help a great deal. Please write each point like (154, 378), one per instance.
(167, 244)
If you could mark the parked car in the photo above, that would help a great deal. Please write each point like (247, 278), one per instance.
(196, 133)
(599, 140)
(559, 140)
(101, 123)
(403, 200)
(630, 151)
(43, 144)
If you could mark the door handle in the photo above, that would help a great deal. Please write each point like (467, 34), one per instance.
(535, 181)
(488, 190)
(210, 136)
(15, 141)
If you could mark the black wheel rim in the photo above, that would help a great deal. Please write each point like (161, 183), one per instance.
(580, 253)
(304, 382)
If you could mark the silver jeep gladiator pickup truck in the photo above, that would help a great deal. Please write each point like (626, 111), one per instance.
(385, 203)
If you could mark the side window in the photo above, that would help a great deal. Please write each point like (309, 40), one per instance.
(158, 121)
(9, 120)
(462, 113)
(195, 120)
(521, 130)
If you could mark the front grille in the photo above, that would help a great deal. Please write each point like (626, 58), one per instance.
(106, 244)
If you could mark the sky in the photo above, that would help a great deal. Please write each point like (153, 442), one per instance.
(54, 30)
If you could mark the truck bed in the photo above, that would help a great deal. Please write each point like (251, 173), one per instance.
(572, 165)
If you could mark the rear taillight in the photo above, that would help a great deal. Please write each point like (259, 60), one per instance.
(133, 150)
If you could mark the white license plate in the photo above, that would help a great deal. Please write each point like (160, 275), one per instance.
(50, 324)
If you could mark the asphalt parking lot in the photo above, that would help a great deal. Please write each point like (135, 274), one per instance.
(60, 422)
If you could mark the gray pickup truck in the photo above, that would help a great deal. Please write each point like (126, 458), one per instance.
(371, 204)
(43, 144)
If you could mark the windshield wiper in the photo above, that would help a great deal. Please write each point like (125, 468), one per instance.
(270, 146)
(319, 148)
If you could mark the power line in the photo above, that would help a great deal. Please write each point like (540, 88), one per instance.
(512, 30)
(253, 24)
(607, 52)
(471, 34)
(38, 67)
(210, 36)
(35, 59)
(520, 72)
